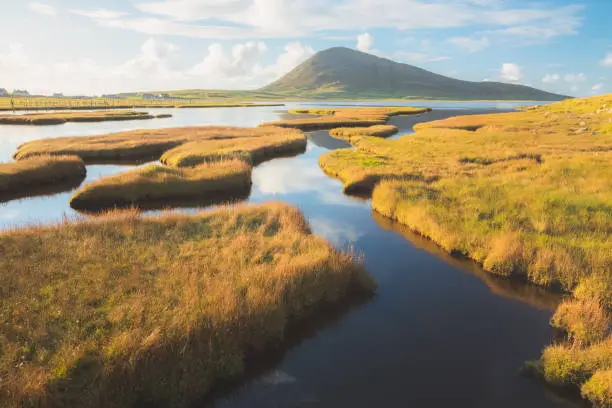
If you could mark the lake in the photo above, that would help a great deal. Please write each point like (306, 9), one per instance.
(440, 332)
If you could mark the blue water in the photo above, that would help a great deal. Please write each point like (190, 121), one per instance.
(439, 333)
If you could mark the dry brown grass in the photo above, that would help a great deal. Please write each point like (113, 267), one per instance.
(109, 311)
(157, 186)
(375, 131)
(57, 118)
(25, 177)
(345, 117)
(253, 150)
(146, 145)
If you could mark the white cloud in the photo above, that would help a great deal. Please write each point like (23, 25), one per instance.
(574, 78)
(99, 14)
(300, 18)
(471, 44)
(365, 42)
(511, 72)
(295, 54)
(551, 78)
(42, 8)
(242, 66)
(597, 87)
(607, 61)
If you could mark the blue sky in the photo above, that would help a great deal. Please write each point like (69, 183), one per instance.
(94, 46)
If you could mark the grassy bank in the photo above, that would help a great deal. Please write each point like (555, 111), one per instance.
(374, 131)
(154, 310)
(251, 149)
(23, 178)
(525, 194)
(155, 186)
(145, 145)
(344, 117)
(41, 119)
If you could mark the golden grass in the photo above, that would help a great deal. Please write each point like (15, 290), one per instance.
(525, 194)
(25, 177)
(375, 131)
(63, 117)
(146, 145)
(253, 150)
(128, 307)
(154, 186)
(345, 117)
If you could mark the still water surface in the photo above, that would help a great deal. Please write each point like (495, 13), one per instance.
(439, 332)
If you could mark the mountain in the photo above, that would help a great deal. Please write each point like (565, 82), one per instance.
(343, 72)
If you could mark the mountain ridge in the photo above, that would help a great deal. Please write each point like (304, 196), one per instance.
(343, 72)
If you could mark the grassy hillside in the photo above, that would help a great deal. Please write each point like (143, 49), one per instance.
(345, 73)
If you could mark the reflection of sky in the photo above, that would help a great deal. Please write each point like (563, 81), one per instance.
(338, 232)
(298, 179)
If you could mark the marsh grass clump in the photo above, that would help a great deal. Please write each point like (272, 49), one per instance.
(22, 178)
(375, 131)
(253, 150)
(345, 117)
(58, 118)
(149, 145)
(131, 306)
(154, 185)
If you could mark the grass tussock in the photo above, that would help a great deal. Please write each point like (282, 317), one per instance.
(132, 309)
(24, 177)
(58, 118)
(148, 145)
(345, 117)
(375, 131)
(155, 185)
(253, 150)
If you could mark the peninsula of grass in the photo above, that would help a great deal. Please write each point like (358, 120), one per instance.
(59, 118)
(344, 117)
(251, 149)
(149, 145)
(375, 131)
(527, 195)
(125, 310)
(155, 186)
(25, 177)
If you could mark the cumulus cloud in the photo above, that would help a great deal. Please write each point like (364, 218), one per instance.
(471, 44)
(607, 61)
(365, 42)
(574, 78)
(597, 87)
(242, 66)
(511, 72)
(551, 78)
(42, 8)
